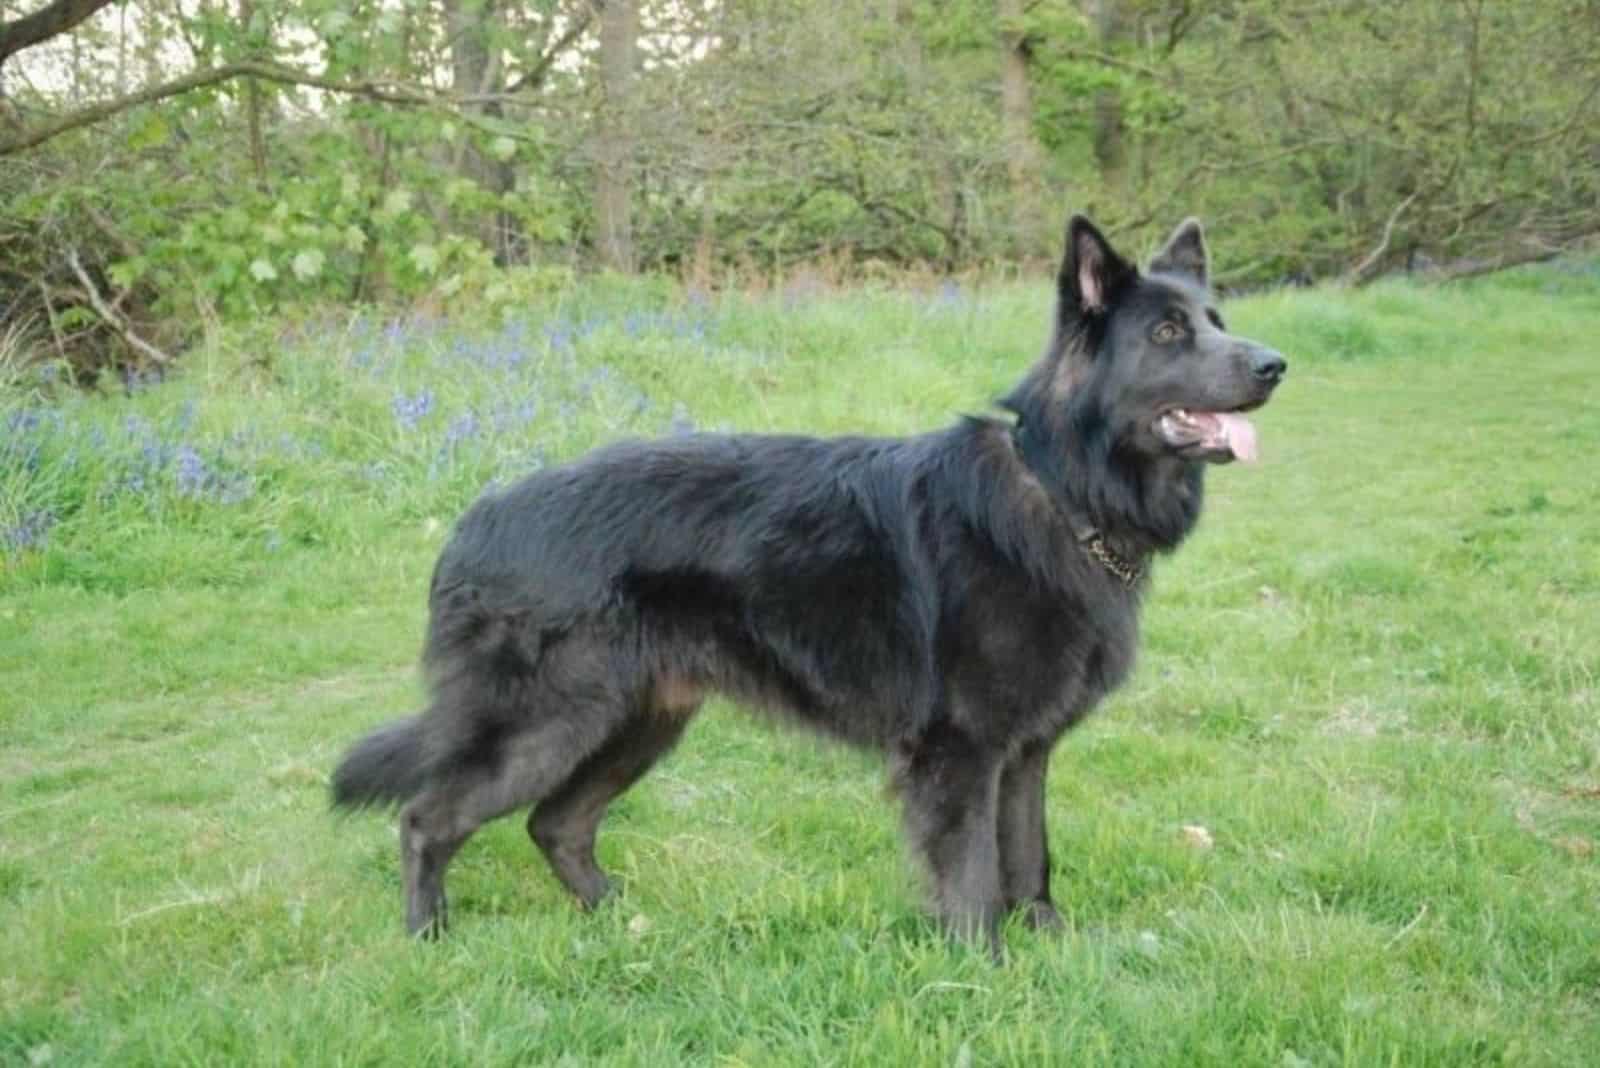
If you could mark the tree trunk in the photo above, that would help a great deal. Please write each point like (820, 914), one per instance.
(253, 102)
(1110, 147)
(475, 71)
(1023, 155)
(613, 186)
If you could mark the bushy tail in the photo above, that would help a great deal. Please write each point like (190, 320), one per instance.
(384, 768)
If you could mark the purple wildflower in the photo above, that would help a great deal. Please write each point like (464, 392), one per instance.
(509, 417)
(409, 411)
(461, 428)
(192, 476)
(30, 532)
(559, 335)
(235, 487)
(134, 381)
(23, 421)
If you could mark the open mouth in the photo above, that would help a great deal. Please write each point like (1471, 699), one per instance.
(1214, 436)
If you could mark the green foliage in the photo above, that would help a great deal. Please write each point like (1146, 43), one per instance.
(1326, 139)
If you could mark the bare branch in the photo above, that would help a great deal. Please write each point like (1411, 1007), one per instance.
(49, 21)
(109, 315)
(1359, 272)
(1115, 63)
(534, 77)
(1182, 19)
(128, 249)
(1472, 267)
(384, 92)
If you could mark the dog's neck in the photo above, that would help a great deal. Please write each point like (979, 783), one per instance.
(1136, 505)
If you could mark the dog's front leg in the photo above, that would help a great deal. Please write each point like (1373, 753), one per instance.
(1024, 847)
(951, 790)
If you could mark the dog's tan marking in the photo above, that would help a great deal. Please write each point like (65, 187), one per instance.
(675, 698)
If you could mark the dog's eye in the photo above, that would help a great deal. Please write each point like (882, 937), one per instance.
(1167, 333)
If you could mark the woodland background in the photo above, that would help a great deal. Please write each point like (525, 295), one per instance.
(168, 165)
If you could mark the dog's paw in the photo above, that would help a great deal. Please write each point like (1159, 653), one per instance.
(1042, 916)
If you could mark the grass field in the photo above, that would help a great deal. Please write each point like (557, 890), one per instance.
(1371, 678)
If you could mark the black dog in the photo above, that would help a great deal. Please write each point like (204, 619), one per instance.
(957, 599)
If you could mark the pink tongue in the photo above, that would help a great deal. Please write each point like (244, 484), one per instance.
(1241, 435)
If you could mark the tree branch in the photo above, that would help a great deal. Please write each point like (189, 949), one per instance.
(1359, 272)
(1105, 60)
(1182, 19)
(383, 92)
(1469, 268)
(54, 18)
(108, 315)
(534, 77)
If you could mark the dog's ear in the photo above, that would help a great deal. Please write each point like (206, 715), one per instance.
(1091, 271)
(1185, 253)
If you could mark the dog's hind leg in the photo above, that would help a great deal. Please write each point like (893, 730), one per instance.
(1024, 850)
(951, 786)
(564, 824)
(521, 770)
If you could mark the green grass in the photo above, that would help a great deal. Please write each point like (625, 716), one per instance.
(1372, 676)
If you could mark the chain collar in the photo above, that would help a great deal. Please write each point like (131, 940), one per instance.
(1095, 544)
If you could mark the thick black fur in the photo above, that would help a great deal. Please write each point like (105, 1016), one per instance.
(929, 596)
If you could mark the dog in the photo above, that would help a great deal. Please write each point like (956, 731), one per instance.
(956, 599)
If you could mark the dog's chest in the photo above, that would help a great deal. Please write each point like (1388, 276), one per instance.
(1042, 660)
(1095, 659)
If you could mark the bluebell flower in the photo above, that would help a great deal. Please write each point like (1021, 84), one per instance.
(192, 477)
(409, 411)
(134, 381)
(462, 427)
(23, 421)
(236, 487)
(30, 532)
(559, 335)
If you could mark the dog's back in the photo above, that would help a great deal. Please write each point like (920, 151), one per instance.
(782, 570)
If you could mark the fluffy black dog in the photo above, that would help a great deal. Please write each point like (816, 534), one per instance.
(957, 599)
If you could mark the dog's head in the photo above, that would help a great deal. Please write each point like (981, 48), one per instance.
(1151, 352)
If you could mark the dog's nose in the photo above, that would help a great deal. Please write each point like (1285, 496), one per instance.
(1267, 365)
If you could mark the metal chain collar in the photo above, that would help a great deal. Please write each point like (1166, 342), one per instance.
(1130, 574)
